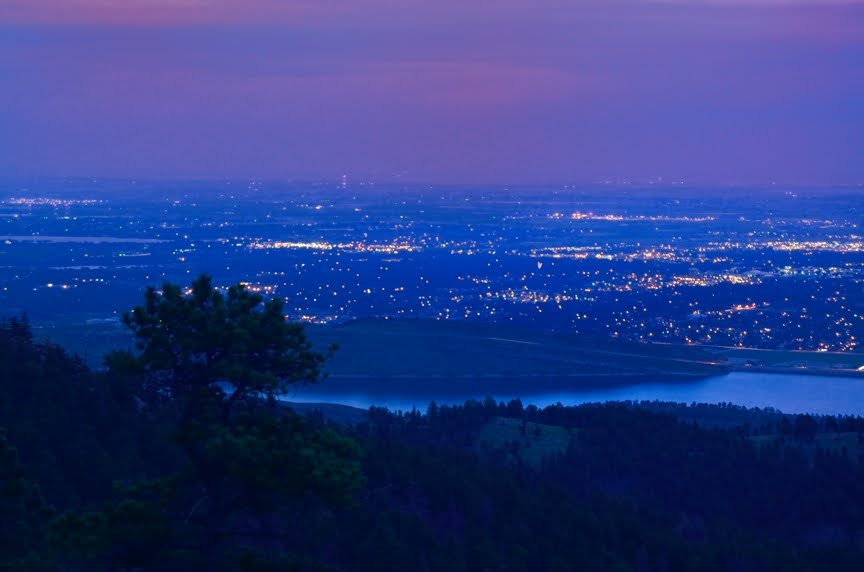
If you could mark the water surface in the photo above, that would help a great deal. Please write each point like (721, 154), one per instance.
(790, 393)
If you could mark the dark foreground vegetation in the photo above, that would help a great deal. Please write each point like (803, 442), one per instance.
(179, 457)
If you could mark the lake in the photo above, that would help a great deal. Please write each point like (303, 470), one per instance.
(790, 393)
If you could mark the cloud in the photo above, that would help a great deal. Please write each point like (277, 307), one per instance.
(445, 90)
(150, 12)
(782, 3)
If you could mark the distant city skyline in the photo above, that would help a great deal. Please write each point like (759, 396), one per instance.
(485, 92)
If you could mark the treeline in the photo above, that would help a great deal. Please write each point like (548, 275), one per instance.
(153, 466)
(783, 489)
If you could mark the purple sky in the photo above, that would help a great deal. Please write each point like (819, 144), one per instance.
(488, 91)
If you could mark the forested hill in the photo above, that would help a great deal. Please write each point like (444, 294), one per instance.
(94, 477)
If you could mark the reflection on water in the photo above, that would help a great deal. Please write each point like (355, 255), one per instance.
(788, 393)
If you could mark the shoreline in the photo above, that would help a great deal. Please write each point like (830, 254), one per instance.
(646, 377)
(790, 392)
(810, 371)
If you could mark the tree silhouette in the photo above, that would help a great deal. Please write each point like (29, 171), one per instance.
(204, 348)
(215, 364)
(23, 513)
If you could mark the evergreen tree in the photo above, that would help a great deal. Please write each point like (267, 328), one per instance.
(217, 364)
(23, 515)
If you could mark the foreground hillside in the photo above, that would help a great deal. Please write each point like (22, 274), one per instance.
(484, 486)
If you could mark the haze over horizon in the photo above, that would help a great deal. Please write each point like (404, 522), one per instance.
(750, 91)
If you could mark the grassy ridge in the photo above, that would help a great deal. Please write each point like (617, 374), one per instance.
(432, 349)
(524, 440)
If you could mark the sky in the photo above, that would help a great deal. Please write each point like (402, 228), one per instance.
(443, 91)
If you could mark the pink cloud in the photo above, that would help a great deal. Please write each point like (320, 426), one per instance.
(150, 12)
(466, 85)
(445, 90)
